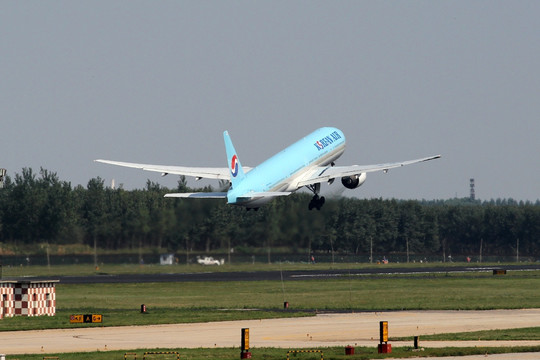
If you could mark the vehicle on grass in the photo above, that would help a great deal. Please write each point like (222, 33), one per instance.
(208, 260)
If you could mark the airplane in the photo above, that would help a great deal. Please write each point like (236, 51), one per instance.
(308, 162)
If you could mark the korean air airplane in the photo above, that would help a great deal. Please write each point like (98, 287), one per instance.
(308, 162)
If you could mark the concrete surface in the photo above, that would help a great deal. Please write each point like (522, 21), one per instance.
(360, 329)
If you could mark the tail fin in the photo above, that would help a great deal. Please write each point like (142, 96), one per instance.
(237, 173)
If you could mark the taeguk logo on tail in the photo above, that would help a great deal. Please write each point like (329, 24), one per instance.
(234, 165)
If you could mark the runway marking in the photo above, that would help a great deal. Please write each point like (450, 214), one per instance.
(470, 270)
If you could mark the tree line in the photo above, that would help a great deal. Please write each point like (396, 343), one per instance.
(41, 208)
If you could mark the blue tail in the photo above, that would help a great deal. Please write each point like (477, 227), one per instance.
(237, 173)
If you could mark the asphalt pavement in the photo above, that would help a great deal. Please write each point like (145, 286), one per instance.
(274, 275)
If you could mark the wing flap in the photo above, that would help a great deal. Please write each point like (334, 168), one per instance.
(200, 195)
(258, 195)
(265, 194)
(323, 174)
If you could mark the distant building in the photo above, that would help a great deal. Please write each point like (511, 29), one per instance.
(166, 259)
(27, 298)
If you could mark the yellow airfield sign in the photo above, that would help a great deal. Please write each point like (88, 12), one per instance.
(76, 319)
(88, 318)
(383, 325)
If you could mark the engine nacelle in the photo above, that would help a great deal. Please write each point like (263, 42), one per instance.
(354, 181)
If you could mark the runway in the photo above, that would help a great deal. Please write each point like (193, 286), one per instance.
(277, 275)
(356, 329)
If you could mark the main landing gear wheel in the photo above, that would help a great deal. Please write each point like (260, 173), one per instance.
(316, 202)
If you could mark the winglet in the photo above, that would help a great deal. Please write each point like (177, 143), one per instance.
(235, 167)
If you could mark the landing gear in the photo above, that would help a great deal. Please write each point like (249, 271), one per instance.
(316, 202)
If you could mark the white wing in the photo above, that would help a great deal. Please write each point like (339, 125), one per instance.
(198, 172)
(322, 174)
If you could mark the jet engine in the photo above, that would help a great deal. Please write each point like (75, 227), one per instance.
(354, 181)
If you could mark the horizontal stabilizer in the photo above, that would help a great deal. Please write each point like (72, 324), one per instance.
(200, 195)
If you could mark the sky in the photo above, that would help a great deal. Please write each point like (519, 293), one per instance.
(159, 81)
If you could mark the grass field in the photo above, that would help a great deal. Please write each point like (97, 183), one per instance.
(531, 333)
(219, 301)
(454, 291)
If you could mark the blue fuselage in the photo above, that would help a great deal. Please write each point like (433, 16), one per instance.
(282, 171)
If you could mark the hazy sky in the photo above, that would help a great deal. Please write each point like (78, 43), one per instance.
(159, 82)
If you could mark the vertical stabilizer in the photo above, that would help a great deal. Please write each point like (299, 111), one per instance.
(237, 173)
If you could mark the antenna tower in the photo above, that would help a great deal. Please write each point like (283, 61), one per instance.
(472, 196)
(2, 177)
